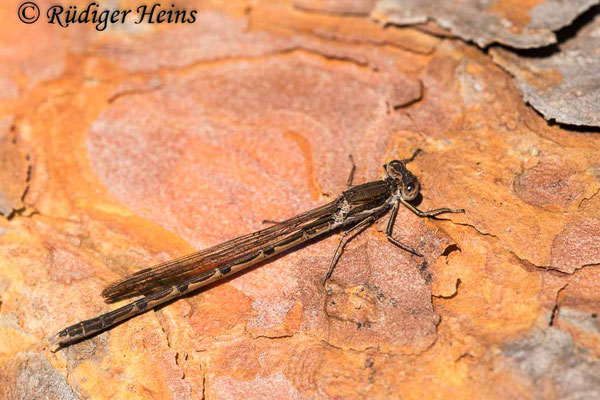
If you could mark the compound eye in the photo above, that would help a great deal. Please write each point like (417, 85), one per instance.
(396, 165)
(395, 168)
(410, 191)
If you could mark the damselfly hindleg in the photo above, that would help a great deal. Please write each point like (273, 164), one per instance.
(342, 243)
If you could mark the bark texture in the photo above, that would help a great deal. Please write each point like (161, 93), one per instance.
(127, 147)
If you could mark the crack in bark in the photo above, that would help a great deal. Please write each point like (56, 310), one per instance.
(169, 345)
(162, 328)
(463, 355)
(521, 259)
(132, 92)
(476, 228)
(324, 341)
(20, 211)
(586, 199)
(450, 296)
(451, 248)
(370, 349)
(414, 101)
(274, 337)
(297, 48)
(330, 57)
(381, 43)
(556, 307)
(552, 268)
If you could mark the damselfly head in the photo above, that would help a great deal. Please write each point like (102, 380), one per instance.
(408, 184)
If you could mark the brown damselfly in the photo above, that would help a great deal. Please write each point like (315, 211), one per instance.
(353, 210)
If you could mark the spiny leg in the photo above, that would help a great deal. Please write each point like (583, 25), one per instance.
(415, 153)
(390, 228)
(430, 213)
(341, 244)
(352, 170)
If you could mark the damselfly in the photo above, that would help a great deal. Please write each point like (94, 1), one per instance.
(352, 211)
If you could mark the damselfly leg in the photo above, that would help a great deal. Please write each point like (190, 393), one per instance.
(390, 228)
(414, 154)
(431, 213)
(342, 243)
(352, 170)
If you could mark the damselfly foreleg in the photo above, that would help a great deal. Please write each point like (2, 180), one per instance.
(415, 153)
(431, 213)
